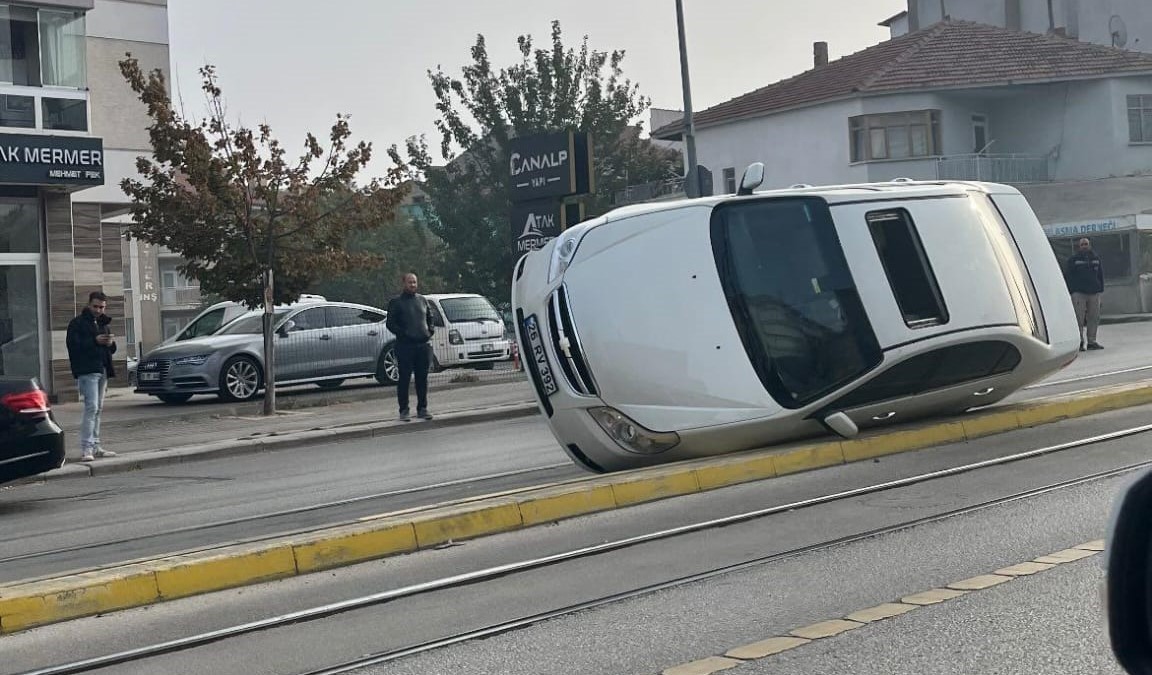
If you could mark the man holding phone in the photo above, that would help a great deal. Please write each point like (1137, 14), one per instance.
(90, 350)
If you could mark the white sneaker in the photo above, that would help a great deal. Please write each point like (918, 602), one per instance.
(87, 457)
(101, 452)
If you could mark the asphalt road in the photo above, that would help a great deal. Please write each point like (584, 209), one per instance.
(1049, 623)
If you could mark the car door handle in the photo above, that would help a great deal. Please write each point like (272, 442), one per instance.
(325, 337)
(985, 392)
(885, 416)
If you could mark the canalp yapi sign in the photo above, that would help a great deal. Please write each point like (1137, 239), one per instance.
(26, 159)
(550, 165)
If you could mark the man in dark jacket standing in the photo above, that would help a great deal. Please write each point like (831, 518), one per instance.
(1084, 274)
(90, 350)
(410, 320)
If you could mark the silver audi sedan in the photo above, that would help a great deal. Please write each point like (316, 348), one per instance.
(322, 343)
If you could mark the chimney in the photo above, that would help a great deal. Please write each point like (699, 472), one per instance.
(820, 51)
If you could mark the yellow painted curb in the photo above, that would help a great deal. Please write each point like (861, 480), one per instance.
(36, 603)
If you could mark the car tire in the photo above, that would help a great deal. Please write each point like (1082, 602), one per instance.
(387, 368)
(330, 384)
(174, 399)
(434, 365)
(241, 379)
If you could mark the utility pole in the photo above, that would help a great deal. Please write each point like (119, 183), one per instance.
(691, 182)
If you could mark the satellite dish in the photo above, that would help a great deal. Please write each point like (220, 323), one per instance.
(1119, 31)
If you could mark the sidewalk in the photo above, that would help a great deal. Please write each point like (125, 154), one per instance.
(131, 425)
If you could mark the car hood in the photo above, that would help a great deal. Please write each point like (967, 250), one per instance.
(662, 346)
(204, 345)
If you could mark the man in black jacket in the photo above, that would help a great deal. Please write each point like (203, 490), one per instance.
(410, 320)
(1084, 274)
(90, 350)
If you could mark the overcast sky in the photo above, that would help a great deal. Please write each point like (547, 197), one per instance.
(296, 63)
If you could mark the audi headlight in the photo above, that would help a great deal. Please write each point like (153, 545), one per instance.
(197, 360)
(630, 435)
(565, 250)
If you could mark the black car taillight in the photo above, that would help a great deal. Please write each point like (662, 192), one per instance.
(30, 403)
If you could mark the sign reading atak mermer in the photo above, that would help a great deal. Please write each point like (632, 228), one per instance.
(27, 159)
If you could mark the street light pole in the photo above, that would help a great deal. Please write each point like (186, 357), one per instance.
(692, 186)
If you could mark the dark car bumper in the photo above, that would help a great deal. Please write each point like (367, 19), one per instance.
(38, 450)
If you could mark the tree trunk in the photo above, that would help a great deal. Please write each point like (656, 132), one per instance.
(269, 347)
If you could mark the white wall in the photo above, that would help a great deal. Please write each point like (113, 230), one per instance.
(1087, 20)
(803, 146)
(1082, 125)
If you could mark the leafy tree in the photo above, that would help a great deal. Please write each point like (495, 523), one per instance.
(253, 224)
(404, 245)
(549, 90)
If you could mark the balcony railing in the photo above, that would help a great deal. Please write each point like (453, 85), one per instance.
(186, 297)
(994, 168)
(648, 192)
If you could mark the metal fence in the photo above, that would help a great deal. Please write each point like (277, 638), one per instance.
(1003, 168)
(635, 194)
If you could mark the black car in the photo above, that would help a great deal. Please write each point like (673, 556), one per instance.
(31, 442)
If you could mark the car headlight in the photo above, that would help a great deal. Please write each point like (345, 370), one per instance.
(565, 250)
(197, 360)
(630, 435)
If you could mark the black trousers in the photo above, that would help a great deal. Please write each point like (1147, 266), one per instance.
(413, 359)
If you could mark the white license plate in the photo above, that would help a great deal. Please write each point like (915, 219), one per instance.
(539, 356)
(149, 377)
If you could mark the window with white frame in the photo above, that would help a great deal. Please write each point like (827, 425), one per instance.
(904, 135)
(43, 47)
(1140, 119)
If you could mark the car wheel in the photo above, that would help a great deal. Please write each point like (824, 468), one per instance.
(330, 384)
(174, 399)
(434, 365)
(240, 379)
(387, 368)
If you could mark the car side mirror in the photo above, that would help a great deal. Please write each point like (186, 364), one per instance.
(286, 327)
(752, 178)
(842, 424)
(1128, 592)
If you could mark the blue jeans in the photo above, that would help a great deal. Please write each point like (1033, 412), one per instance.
(92, 389)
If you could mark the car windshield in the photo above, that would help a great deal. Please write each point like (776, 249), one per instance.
(250, 324)
(792, 297)
(458, 310)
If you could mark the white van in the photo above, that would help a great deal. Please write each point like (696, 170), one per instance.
(469, 332)
(683, 329)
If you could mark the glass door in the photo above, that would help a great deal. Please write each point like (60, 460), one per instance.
(20, 343)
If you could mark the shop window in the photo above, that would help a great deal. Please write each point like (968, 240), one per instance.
(19, 227)
(65, 114)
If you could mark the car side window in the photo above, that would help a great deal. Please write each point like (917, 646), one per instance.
(437, 317)
(309, 319)
(205, 325)
(351, 316)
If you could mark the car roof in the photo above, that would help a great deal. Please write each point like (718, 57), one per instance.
(899, 189)
(450, 296)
